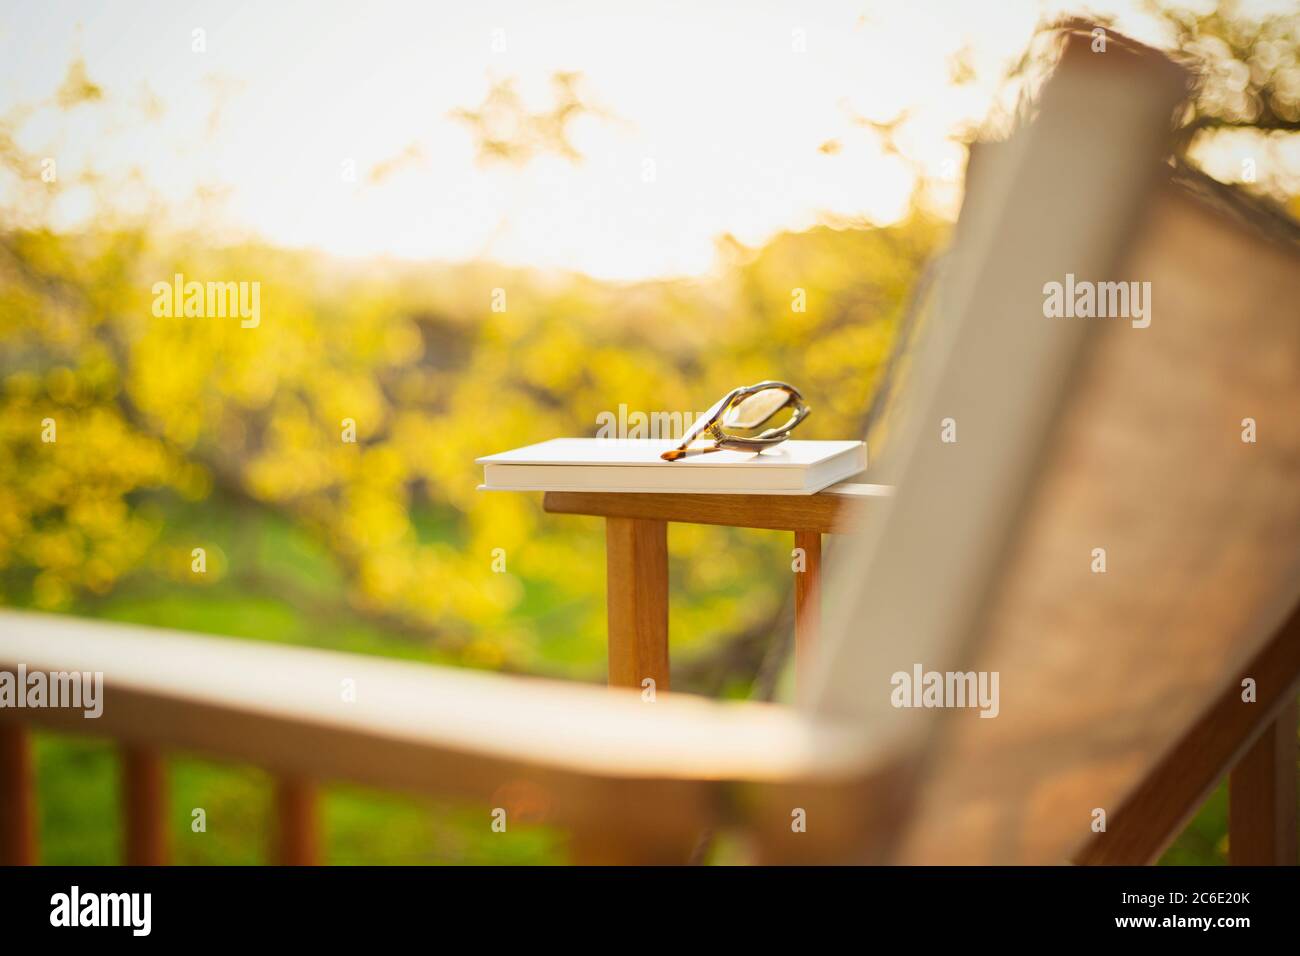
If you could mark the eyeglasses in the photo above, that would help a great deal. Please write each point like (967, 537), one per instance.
(744, 410)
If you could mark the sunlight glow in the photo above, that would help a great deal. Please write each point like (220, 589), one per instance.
(712, 119)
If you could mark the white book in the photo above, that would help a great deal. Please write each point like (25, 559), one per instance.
(631, 464)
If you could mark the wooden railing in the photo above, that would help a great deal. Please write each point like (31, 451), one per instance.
(143, 786)
(144, 807)
(627, 782)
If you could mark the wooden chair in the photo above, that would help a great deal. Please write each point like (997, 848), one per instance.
(1120, 691)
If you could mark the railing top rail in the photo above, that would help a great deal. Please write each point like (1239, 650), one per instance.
(181, 690)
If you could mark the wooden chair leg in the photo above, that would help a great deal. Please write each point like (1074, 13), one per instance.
(1262, 797)
(17, 797)
(297, 823)
(144, 807)
(807, 602)
(636, 553)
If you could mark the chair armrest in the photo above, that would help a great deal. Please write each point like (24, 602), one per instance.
(598, 757)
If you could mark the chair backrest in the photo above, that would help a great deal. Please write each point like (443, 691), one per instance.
(1075, 434)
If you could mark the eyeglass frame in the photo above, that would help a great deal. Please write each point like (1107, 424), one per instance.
(710, 423)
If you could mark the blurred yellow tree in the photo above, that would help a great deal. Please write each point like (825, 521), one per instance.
(355, 407)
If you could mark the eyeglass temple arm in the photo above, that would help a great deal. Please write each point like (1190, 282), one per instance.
(708, 418)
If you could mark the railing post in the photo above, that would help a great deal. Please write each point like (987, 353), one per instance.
(1262, 797)
(17, 797)
(144, 806)
(297, 823)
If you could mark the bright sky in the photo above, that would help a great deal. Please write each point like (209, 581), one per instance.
(716, 95)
